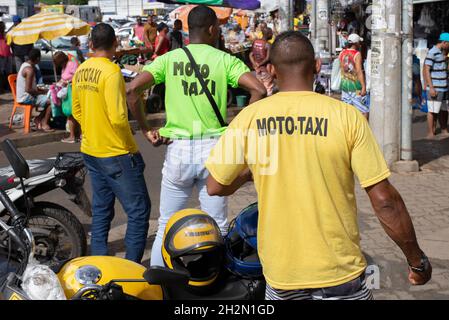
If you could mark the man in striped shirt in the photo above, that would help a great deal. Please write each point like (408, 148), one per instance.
(436, 82)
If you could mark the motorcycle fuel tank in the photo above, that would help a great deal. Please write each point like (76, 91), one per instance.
(101, 270)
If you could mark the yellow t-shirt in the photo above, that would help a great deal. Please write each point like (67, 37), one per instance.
(303, 150)
(99, 106)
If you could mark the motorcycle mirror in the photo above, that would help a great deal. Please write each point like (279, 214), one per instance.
(163, 276)
(15, 158)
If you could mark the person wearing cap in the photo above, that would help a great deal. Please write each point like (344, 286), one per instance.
(436, 82)
(353, 84)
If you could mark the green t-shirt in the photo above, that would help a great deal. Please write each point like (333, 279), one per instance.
(189, 112)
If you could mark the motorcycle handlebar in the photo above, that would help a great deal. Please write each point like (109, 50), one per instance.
(16, 215)
(17, 226)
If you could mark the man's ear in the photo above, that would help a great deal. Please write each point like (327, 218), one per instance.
(91, 46)
(211, 30)
(116, 43)
(271, 70)
(317, 66)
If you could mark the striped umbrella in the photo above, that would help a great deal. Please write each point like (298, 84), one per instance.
(49, 26)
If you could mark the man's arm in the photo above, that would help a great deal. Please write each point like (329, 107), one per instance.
(250, 83)
(134, 98)
(395, 219)
(76, 106)
(30, 75)
(253, 60)
(360, 75)
(214, 188)
(428, 80)
(116, 103)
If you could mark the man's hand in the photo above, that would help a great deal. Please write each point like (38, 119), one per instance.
(433, 92)
(420, 278)
(363, 92)
(156, 139)
(250, 83)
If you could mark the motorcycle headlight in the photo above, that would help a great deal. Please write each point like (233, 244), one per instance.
(86, 275)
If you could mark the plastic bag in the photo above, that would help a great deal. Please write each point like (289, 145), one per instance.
(67, 102)
(336, 76)
(56, 111)
(40, 283)
(62, 94)
(424, 107)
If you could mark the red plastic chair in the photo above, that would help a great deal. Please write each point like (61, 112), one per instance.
(27, 109)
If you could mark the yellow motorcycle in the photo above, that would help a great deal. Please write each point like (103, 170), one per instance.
(194, 256)
(193, 251)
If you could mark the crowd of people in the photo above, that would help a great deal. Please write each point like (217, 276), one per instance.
(308, 235)
(430, 77)
(23, 60)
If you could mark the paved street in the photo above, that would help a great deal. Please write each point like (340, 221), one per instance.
(430, 216)
(430, 213)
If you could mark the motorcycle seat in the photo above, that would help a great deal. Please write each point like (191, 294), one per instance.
(37, 168)
(231, 288)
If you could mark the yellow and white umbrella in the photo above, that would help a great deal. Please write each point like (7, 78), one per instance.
(47, 25)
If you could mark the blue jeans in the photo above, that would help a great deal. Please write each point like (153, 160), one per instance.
(183, 170)
(120, 177)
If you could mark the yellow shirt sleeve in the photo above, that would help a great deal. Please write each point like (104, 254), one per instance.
(117, 110)
(76, 106)
(367, 160)
(227, 160)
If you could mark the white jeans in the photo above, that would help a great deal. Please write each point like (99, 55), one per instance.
(183, 169)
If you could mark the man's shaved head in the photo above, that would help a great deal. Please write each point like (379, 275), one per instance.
(293, 50)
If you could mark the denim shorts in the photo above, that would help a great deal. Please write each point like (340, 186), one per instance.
(40, 101)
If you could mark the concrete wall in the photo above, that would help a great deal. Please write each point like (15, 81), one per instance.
(122, 7)
(11, 4)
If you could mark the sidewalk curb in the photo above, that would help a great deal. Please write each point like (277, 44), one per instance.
(156, 120)
(34, 140)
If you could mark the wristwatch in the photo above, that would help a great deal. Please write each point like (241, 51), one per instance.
(424, 265)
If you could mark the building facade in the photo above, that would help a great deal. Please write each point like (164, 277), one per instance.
(129, 8)
(23, 8)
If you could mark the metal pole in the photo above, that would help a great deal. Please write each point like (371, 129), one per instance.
(321, 25)
(286, 14)
(53, 62)
(313, 21)
(407, 80)
(385, 114)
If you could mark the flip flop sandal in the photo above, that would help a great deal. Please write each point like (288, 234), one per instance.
(68, 140)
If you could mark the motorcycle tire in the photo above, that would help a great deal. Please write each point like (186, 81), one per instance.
(66, 226)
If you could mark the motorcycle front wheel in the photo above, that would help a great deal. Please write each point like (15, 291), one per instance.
(58, 234)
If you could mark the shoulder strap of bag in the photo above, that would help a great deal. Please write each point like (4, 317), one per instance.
(205, 88)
